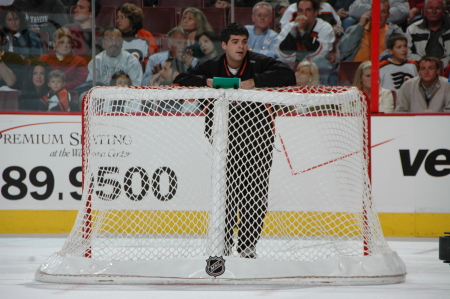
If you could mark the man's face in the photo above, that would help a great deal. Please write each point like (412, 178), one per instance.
(55, 84)
(428, 71)
(236, 49)
(166, 71)
(434, 10)
(112, 43)
(262, 17)
(306, 8)
(384, 13)
(82, 12)
(177, 44)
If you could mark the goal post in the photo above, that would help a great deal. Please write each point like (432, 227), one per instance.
(201, 185)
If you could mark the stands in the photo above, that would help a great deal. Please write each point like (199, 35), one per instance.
(9, 100)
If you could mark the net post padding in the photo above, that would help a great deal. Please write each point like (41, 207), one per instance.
(201, 185)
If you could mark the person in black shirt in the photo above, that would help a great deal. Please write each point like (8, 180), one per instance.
(250, 133)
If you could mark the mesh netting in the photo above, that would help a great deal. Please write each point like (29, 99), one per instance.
(275, 174)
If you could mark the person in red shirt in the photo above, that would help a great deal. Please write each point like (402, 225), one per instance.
(73, 66)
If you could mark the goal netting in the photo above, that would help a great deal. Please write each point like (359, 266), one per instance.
(202, 185)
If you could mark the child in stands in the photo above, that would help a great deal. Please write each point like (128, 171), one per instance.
(58, 98)
(396, 70)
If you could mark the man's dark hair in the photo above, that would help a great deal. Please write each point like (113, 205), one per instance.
(431, 58)
(116, 76)
(390, 43)
(232, 29)
(315, 4)
(98, 6)
(110, 28)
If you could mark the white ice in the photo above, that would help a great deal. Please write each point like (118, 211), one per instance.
(21, 255)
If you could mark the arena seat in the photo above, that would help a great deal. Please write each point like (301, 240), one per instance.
(346, 72)
(117, 3)
(161, 40)
(9, 100)
(159, 19)
(181, 3)
(45, 40)
(106, 17)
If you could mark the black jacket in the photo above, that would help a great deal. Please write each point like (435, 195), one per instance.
(265, 71)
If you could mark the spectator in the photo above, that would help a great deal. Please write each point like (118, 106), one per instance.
(356, 44)
(364, 82)
(307, 74)
(307, 37)
(114, 59)
(82, 29)
(120, 78)
(261, 38)
(58, 98)
(209, 43)
(398, 11)
(193, 22)
(137, 41)
(73, 66)
(19, 39)
(326, 13)
(43, 15)
(396, 70)
(11, 67)
(428, 37)
(34, 85)
(171, 69)
(177, 49)
(428, 92)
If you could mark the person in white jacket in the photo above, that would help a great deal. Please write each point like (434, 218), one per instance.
(307, 37)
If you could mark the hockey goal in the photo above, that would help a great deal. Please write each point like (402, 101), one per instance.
(202, 185)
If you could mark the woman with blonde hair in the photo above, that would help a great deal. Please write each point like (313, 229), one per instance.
(194, 22)
(363, 81)
(62, 58)
(307, 74)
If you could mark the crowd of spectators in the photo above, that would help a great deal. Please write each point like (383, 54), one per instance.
(47, 50)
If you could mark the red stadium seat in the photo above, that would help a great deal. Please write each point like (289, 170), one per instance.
(45, 40)
(161, 40)
(106, 17)
(346, 72)
(9, 100)
(117, 3)
(182, 3)
(243, 15)
(216, 16)
(159, 19)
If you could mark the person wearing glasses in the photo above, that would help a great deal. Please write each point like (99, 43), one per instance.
(113, 59)
(428, 35)
(261, 38)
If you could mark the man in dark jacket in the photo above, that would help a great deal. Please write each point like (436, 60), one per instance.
(250, 133)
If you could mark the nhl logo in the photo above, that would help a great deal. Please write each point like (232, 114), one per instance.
(215, 266)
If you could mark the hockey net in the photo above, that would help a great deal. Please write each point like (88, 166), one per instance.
(198, 185)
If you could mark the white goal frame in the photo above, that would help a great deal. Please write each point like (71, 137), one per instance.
(80, 261)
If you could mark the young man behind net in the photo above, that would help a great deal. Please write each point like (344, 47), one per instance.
(250, 133)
